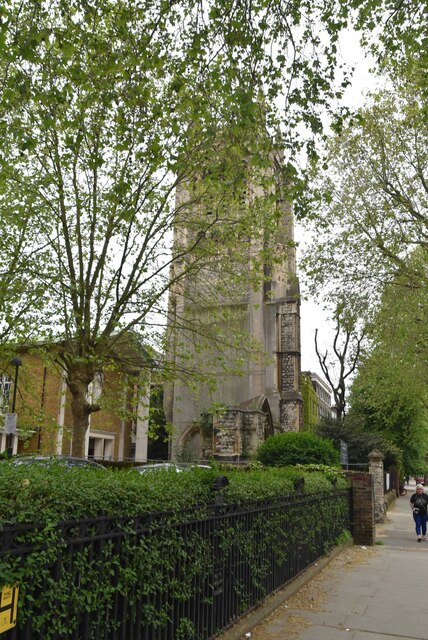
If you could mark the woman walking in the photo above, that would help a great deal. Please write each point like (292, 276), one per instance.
(419, 503)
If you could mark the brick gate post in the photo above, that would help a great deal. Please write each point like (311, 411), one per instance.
(363, 515)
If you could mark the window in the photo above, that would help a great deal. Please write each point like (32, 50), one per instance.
(101, 447)
(5, 387)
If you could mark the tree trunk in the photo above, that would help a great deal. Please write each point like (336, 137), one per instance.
(78, 381)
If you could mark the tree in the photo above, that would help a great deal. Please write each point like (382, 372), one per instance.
(370, 208)
(360, 442)
(395, 31)
(398, 335)
(21, 294)
(347, 346)
(389, 393)
(397, 416)
(106, 109)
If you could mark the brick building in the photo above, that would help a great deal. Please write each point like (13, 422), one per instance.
(322, 394)
(310, 403)
(44, 422)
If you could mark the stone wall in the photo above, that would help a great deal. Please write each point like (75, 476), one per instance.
(237, 433)
(291, 402)
(376, 470)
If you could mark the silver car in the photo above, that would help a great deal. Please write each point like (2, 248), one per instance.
(63, 461)
(178, 467)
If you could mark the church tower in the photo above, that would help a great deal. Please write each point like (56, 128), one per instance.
(287, 305)
(266, 397)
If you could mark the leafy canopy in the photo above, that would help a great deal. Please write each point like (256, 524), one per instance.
(370, 207)
(107, 109)
(389, 394)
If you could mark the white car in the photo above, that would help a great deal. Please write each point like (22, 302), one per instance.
(178, 467)
(63, 461)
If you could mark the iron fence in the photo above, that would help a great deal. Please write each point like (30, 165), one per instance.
(157, 578)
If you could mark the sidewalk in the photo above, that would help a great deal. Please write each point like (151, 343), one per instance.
(372, 593)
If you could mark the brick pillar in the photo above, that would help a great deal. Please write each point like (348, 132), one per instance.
(363, 516)
(376, 470)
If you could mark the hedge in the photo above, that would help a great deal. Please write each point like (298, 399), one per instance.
(33, 494)
(296, 448)
(159, 568)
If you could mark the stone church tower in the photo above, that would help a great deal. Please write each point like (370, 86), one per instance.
(267, 397)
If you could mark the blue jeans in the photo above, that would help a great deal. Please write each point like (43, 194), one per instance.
(421, 523)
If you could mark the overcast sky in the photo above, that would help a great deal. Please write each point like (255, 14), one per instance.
(312, 316)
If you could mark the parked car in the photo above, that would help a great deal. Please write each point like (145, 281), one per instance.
(420, 480)
(63, 461)
(178, 467)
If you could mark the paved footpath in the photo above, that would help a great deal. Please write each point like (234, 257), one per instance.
(361, 593)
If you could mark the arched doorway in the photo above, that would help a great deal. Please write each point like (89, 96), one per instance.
(191, 445)
(269, 430)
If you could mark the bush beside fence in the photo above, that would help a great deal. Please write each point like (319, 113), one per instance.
(164, 576)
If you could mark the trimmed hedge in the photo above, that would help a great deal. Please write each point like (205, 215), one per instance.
(169, 566)
(292, 448)
(33, 494)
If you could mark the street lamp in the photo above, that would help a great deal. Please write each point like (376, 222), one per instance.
(15, 362)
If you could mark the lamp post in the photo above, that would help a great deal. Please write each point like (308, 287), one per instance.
(16, 362)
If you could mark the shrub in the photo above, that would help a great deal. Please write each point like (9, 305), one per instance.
(149, 567)
(292, 448)
(40, 496)
(270, 482)
(33, 494)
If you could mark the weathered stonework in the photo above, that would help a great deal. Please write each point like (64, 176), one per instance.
(376, 470)
(291, 403)
(237, 433)
(267, 397)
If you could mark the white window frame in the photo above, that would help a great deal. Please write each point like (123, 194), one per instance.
(104, 449)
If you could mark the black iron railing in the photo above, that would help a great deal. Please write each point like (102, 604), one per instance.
(156, 578)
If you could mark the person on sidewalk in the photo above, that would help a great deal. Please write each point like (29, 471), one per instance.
(419, 503)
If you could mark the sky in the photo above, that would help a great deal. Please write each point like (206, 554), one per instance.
(312, 315)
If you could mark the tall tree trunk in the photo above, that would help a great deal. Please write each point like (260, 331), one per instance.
(78, 381)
